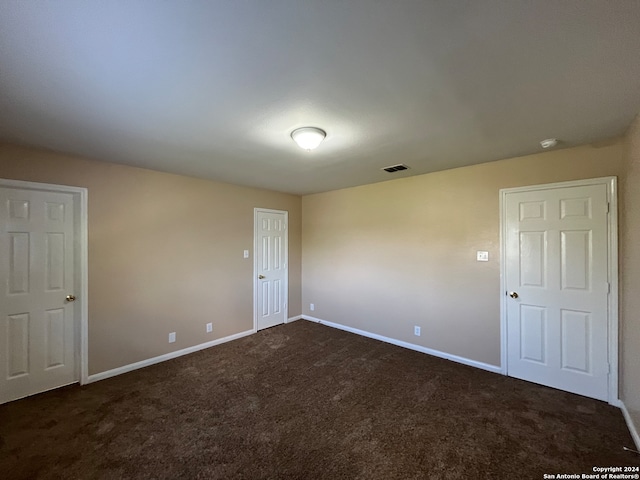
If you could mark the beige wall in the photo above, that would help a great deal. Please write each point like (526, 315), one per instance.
(630, 274)
(165, 253)
(388, 256)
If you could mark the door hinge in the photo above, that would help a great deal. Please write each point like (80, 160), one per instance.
(608, 287)
(608, 368)
(608, 207)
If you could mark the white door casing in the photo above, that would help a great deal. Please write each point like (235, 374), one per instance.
(42, 260)
(560, 258)
(271, 270)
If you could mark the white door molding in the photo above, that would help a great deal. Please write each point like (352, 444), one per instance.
(256, 246)
(612, 260)
(81, 275)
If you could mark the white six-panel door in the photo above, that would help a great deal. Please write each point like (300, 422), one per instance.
(37, 328)
(557, 287)
(271, 268)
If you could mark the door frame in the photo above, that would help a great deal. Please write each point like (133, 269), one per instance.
(81, 269)
(255, 264)
(612, 273)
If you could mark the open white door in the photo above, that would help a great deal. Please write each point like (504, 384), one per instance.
(271, 268)
(40, 279)
(557, 286)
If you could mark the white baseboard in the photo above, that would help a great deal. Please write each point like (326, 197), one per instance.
(410, 346)
(630, 424)
(167, 356)
(293, 319)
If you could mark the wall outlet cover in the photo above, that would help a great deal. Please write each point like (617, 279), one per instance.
(482, 256)
(312, 307)
(172, 337)
(209, 327)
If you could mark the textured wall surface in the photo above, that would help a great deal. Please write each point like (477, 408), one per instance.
(630, 274)
(165, 253)
(388, 256)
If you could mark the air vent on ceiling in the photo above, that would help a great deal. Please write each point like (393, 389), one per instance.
(395, 168)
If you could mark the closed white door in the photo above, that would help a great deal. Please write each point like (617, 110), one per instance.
(557, 287)
(271, 268)
(37, 329)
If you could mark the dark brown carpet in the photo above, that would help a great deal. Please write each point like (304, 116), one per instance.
(306, 401)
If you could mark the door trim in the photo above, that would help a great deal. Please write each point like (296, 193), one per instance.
(255, 264)
(612, 260)
(80, 195)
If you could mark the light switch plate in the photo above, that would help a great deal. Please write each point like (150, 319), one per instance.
(482, 256)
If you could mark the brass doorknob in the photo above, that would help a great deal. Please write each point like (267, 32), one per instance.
(513, 294)
(261, 277)
(70, 298)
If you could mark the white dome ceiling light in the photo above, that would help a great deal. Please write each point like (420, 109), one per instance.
(549, 143)
(308, 138)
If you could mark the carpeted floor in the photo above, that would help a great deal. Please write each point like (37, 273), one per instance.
(305, 401)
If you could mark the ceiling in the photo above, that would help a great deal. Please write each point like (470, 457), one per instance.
(213, 89)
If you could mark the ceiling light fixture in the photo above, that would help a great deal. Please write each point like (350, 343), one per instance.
(308, 138)
(548, 143)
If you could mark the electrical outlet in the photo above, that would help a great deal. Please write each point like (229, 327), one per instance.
(209, 327)
(482, 256)
(312, 307)
(172, 337)
(416, 331)
(246, 254)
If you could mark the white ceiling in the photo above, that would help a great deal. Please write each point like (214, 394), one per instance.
(214, 88)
